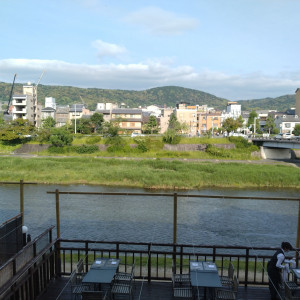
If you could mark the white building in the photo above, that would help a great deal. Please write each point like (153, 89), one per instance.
(153, 110)
(50, 102)
(25, 106)
(287, 123)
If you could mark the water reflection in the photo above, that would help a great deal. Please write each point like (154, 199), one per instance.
(150, 219)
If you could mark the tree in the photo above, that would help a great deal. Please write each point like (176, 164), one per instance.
(296, 130)
(253, 116)
(48, 123)
(97, 121)
(16, 131)
(270, 124)
(61, 137)
(231, 125)
(151, 126)
(84, 126)
(174, 123)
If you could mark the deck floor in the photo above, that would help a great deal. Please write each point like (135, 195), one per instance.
(155, 290)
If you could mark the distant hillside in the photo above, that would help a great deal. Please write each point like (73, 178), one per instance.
(168, 95)
(281, 103)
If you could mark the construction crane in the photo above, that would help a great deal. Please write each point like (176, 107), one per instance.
(10, 96)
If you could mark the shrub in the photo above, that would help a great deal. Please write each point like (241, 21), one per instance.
(171, 137)
(84, 149)
(93, 140)
(61, 137)
(56, 150)
(218, 152)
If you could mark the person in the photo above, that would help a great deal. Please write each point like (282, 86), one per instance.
(275, 265)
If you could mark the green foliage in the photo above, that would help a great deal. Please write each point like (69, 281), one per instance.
(231, 125)
(152, 126)
(43, 136)
(93, 140)
(48, 123)
(171, 137)
(16, 132)
(142, 144)
(111, 129)
(217, 152)
(56, 150)
(297, 130)
(241, 143)
(169, 95)
(84, 149)
(116, 144)
(61, 137)
(270, 124)
(97, 121)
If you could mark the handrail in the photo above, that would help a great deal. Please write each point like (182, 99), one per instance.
(29, 265)
(27, 246)
(178, 195)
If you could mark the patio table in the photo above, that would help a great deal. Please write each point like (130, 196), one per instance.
(204, 274)
(102, 271)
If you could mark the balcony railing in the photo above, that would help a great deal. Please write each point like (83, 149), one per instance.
(154, 261)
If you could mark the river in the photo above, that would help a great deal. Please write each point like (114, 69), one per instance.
(150, 219)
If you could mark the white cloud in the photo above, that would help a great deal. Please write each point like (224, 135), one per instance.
(161, 22)
(149, 74)
(108, 49)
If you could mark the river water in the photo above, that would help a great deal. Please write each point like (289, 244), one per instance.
(150, 219)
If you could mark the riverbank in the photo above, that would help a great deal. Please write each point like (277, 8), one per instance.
(153, 174)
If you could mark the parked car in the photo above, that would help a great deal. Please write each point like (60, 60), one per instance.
(283, 136)
(135, 134)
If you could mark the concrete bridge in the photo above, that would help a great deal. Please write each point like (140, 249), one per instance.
(277, 149)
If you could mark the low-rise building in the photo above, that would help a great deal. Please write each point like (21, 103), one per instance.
(287, 123)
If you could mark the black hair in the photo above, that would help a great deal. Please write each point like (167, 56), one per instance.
(287, 246)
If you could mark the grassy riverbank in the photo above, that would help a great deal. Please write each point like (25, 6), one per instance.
(156, 173)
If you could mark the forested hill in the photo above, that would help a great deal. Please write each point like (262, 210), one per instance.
(168, 95)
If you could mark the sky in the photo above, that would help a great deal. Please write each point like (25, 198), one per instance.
(234, 49)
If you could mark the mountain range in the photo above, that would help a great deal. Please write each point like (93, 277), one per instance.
(167, 95)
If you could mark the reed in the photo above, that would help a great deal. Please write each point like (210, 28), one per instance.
(154, 173)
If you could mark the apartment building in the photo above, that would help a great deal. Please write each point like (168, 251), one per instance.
(187, 114)
(129, 119)
(208, 121)
(287, 123)
(25, 106)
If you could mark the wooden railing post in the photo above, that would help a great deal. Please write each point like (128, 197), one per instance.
(298, 233)
(246, 267)
(175, 219)
(149, 263)
(22, 200)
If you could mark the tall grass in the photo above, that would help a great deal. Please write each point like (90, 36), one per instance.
(155, 173)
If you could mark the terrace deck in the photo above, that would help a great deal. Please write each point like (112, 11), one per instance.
(157, 290)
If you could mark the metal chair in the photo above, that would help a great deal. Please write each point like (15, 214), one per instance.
(93, 295)
(80, 270)
(125, 276)
(290, 289)
(228, 294)
(76, 289)
(228, 280)
(181, 288)
(122, 289)
(180, 279)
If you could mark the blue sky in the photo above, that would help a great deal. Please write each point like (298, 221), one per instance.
(236, 49)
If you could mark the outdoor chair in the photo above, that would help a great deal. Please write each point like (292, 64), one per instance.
(181, 288)
(180, 279)
(228, 294)
(80, 271)
(127, 275)
(122, 289)
(93, 295)
(291, 291)
(228, 280)
(76, 289)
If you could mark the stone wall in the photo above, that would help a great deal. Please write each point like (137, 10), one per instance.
(195, 147)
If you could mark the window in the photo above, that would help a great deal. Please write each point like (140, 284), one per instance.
(132, 124)
(287, 125)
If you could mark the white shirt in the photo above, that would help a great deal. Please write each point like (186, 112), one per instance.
(280, 260)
